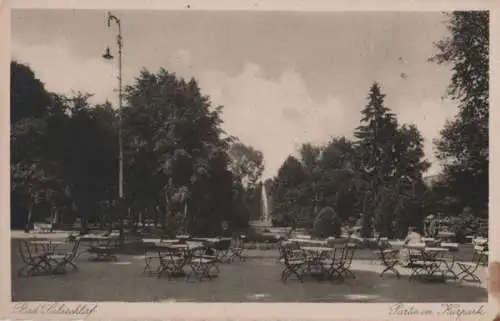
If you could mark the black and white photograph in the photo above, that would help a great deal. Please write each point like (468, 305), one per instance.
(249, 156)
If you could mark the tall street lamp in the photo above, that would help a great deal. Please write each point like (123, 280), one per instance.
(107, 55)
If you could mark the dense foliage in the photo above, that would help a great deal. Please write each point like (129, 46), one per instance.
(327, 224)
(379, 174)
(463, 146)
(182, 172)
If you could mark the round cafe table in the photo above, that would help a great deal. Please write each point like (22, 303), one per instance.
(46, 245)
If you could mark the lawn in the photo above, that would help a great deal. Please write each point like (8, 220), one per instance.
(255, 280)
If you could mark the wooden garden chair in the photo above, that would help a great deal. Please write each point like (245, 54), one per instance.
(333, 261)
(33, 262)
(345, 265)
(448, 264)
(63, 259)
(390, 260)
(294, 260)
(171, 262)
(104, 251)
(423, 265)
(151, 252)
(223, 250)
(237, 248)
(201, 264)
(468, 271)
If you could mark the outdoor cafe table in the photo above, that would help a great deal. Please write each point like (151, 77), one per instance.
(165, 241)
(308, 242)
(314, 256)
(315, 252)
(168, 260)
(47, 245)
(188, 246)
(211, 240)
(432, 261)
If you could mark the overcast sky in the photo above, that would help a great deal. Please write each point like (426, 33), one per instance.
(283, 78)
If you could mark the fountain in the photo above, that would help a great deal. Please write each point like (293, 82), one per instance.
(265, 207)
(265, 221)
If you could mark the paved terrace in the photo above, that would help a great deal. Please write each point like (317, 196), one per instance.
(254, 280)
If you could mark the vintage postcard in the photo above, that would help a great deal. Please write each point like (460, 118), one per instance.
(247, 160)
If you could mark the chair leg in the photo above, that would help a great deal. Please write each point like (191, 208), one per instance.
(21, 270)
(75, 267)
(286, 274)
(297, 274)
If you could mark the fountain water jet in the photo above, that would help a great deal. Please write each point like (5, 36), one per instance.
(265, 207)
(264, 222)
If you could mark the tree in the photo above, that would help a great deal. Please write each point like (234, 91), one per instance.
(28, 97)
(247, 164)
(340, 182)
(391, 168)
(463, 146)
(173, 142)
(409, 193)
(33, 174)
(327, 223)
(288, 193)
(375, 142)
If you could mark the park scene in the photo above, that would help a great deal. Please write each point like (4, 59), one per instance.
(141, 175)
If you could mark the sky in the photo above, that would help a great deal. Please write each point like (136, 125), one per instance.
(284, 78)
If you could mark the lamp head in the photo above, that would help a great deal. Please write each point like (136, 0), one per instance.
(107, 55)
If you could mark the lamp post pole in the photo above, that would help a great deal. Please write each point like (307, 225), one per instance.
(108, 56)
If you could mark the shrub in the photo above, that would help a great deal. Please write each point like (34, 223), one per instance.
(327, 223)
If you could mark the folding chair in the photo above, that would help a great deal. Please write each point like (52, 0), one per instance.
(281, 250)
(237, 248)
(223, 251)
(63, 259)
(201, 264)
(448, 263)
(390, 260)
(104, 252)
(332, 262)
(424, 266)
(469, 270)
(171, 262)
(345, 266)
(33, 262)
(151, 252)
(294, 259)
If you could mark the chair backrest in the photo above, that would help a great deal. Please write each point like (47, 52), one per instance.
(74, 250)
(349, 255)
(388, 257)
(447, 257)
(338, 254)
(414, 252)
(25, 251)
(291, 250)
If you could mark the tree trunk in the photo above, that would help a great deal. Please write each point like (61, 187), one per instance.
(28, 219)
(84, 224)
